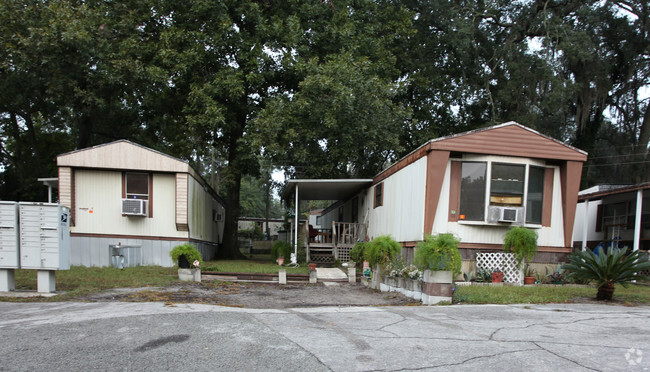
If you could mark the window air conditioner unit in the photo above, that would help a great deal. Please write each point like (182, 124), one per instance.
(509, 214)
(218, 217)
(134, 207)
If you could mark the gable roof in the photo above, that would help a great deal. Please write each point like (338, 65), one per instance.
(507, 139)
(125, 155)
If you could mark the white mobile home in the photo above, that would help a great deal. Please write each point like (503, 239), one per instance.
(121, 193)
(475, 185)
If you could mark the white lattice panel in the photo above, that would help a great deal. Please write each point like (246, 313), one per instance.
(344, 252)
(505, 262)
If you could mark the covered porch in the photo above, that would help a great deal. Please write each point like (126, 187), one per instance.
(332, 242)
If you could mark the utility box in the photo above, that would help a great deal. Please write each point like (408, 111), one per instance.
(44, 236)
(9, 235)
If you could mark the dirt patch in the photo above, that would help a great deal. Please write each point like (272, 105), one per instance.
(256, 295)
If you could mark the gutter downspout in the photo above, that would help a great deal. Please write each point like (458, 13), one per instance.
(637, 219)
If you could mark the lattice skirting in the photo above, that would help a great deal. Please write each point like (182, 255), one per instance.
(505, 262)
(343, 252)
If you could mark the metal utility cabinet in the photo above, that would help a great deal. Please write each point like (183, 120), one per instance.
(44, 236)
(44, 240)
(9, 248)
(9, 258)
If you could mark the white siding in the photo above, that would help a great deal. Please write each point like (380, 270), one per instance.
(402, 213)
(200, 216)
(98, 197)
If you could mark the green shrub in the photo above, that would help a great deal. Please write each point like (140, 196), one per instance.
(439, 253)
(607, 269)
(280, 249)
(302, 250)
(356, 253)
(522, 242)
(184, 256)
(381, 250)
(254, 233)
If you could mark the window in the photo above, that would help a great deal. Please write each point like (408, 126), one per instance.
(318, 220)
(535, 198)
(507, 184)
(340, 214)
(472, 191)
(137, 186)
(379, 195)
(511, 185)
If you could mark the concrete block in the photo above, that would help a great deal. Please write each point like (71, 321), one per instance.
(7, 280)
(189, 275)
(46, 282)
(352, 274)
(313, 277)
(282, 277)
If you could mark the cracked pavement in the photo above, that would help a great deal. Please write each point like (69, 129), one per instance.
(152, 336)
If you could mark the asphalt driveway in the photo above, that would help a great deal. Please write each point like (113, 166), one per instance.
(153, 336)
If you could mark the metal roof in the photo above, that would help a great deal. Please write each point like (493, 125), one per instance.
(325, 189)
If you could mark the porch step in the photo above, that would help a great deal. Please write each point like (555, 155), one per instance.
(335, 274)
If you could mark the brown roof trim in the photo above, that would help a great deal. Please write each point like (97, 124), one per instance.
(620, 190)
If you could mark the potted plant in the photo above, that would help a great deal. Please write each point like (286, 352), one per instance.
(497, 276)
(379, 252)
(522, 242)
(607, 269)
(188, 260)
(356, 253)
(279, 251)
(439, 256)
(529, 275)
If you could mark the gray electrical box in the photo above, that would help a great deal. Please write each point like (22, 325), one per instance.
(44, 236)
(9, 238)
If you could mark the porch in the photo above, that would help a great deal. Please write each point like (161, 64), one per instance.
(335, 243)
(327, 245)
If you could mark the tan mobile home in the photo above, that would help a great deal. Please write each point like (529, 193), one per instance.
(122, 193)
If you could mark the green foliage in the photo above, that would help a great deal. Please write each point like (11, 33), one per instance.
(280, 249)
(483, 275)
(439, 252)
(357, 252)
(522, 242)
(255, 233)
(529, 271)
(381, 250)
(184, 255)
(607, 269)
(469, 277)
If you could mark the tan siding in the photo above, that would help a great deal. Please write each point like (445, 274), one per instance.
(65, 186)
(123, 155)
(98, 206)
(181, 201)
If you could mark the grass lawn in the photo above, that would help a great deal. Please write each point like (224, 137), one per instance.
(633, 294)
(81, 280)
(255, 265)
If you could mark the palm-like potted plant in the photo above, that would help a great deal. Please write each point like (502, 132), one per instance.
(280, 250)
(607, 269)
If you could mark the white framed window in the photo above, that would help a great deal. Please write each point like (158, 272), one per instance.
(510, 185)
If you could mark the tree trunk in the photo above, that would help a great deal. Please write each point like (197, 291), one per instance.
(605, 292)
(231, 182)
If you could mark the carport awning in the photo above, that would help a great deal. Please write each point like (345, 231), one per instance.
(326, 189)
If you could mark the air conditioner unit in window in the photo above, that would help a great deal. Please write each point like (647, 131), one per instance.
(134, 207)
(509, 214)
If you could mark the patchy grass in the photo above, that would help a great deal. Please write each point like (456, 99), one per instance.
(252, 266)
(81, 280)
(633, 294)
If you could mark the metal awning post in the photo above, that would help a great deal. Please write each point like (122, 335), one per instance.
(637, 220)
(585, 225)
(294, 259)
